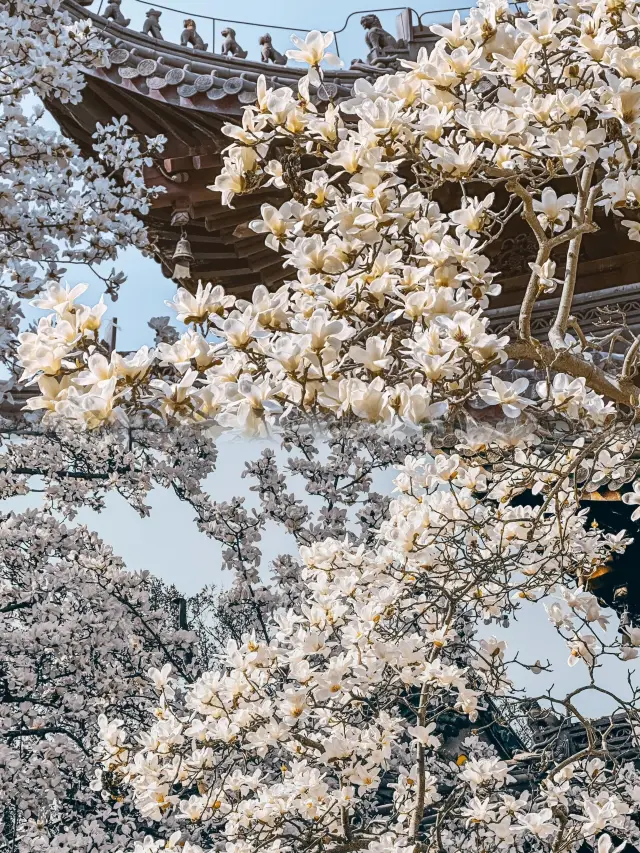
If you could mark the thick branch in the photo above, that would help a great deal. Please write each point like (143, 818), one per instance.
(16, 605)
(545, 246)
(43, 732)
(622, 391)
(629, 366)
(528, 214)
(584, 213)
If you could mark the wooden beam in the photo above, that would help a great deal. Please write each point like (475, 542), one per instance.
(206, 161)
(226, 217)
(178, 164)
(215, 256)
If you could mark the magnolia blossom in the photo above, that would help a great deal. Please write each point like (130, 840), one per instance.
(633, 229)
(327, 717)
(633, 498)
(554, 211)
(313, 50)
(507, 395)
(388, 235)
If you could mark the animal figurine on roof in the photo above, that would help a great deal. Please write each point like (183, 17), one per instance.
(151, 26)
(113, 13)
(230, 45)
(191, 37)
(268, 52)
(378, 40)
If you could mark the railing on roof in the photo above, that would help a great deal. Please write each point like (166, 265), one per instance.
(216, 21)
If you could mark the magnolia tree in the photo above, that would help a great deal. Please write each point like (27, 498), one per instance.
(77, 636)
(58, 207)
(530, 115)
(324, 727)
(351, 703)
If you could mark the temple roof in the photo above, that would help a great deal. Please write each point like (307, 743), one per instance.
(188, 94)
(197, 80)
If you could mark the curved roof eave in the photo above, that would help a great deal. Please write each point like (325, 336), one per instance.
(196, 79)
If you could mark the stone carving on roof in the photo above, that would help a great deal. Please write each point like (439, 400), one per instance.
(230, 46)
(190, 36)
(268, 52)
(384, 49)
(114, 13)
(187, 76)
(151, 26)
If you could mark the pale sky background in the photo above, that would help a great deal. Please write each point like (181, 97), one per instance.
(168, 542)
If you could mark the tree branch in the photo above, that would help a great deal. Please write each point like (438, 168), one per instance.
(584, 212)
(622, 390)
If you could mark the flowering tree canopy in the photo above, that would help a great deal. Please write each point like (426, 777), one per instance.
(364, 698)
(328, 726)
(325, 728)
(516, 115)
(77, 635)
(58, 207)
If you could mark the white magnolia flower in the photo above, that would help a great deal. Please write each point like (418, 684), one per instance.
(59, 298)
(564, 393)
(423, 734)
(540, 823)
(633, 499)
(543, 29)
(196, 308)
(374, 355)
(583, 648)
(313, 50)
(507, 395)
(553, 210)
(606, 845)
(633, 229)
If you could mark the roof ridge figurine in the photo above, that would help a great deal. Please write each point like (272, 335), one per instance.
(268, 53)
(230, 45)
(190, 36)
(114, 13)
(380, 42)
(151, 26)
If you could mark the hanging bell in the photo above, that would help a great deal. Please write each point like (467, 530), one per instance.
(182, 259)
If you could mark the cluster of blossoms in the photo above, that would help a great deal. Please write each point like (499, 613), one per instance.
(325, 726)
(51, 195)
(190, 380)
(58, 207)
(354, 705)
(52, 198)
(193, 379)
(77, 634)
(392, 203)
